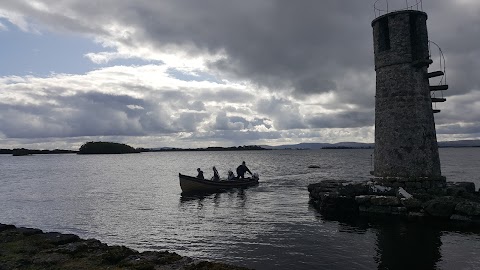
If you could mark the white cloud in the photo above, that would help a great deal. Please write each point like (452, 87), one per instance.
(135, 107)
(105, 57)
(16, 19)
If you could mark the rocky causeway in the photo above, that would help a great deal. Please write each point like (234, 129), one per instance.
(411, 198)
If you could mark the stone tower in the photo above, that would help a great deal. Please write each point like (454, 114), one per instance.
(405, 139)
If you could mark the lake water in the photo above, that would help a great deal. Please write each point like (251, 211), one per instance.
(135, 200)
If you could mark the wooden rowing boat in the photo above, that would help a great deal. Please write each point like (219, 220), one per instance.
(194, 184)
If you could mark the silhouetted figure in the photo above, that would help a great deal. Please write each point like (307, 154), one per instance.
(200, 174)
(231, 176)
(216, 176)
(242, 169)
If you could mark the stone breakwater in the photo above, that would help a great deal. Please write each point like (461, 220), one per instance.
(27, 248)
(412, 199)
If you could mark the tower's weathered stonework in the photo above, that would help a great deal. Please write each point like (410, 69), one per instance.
(405, 138)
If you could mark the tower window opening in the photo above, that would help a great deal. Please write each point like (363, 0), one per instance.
(384, 35)
(415, 38)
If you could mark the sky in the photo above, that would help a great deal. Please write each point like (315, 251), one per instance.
(198, 73)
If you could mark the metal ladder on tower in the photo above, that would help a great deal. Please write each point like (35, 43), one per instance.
(442, 83)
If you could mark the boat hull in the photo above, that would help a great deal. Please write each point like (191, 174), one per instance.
(193, 184)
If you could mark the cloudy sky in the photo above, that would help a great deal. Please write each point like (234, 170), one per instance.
(196, 73)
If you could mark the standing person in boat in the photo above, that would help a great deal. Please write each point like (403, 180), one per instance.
(200, 174)
(242, 169)
(216, 176)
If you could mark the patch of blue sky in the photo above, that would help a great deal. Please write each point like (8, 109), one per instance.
(197, 77)
(24, 53)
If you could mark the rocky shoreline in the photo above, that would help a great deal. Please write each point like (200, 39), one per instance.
(29, 248)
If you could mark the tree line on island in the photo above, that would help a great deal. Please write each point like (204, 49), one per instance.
(106, 148)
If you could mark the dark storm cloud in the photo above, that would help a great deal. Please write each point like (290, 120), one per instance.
(189, 121)
(459, 129)
(77, 115)
(235, 137)
(97, 99)
(228, 95)
(232, 123)
(282, 44)
(305, 45)
(27, 121)
(224, 122)
(96, 114)
(454, 26)
(459, 109)
(284, 113)
(196, 106)
(341, 120)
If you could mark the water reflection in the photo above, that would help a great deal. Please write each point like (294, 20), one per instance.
(238, 194)
(402, 243)
(187, 197)
(407, 245)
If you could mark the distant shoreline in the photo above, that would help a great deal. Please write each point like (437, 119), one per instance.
(38, 152)
(240, 148)
(233, 148)
(139, 150)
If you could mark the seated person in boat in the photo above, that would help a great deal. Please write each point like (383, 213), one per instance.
(200, 174)
(230, 176)
(242, 169)
(216, 176)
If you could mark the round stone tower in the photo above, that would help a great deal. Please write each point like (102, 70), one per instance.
(405, 138)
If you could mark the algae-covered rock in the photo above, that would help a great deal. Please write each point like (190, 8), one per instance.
(468, 208)
(411, 203)
(468, 186)
(26, 248)
(363, 199)
(441, 207)
(385, 201)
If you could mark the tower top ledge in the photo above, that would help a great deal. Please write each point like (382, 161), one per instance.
(393, 13)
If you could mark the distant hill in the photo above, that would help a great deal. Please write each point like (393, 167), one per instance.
(464, 143)
(211, 148)
(350, 145)
(316, 146)
(355, 145)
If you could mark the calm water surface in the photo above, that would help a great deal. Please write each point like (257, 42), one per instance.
(135, 200)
